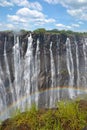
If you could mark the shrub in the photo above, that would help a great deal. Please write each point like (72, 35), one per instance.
(40, 31)
(67, 116)
(70, 116)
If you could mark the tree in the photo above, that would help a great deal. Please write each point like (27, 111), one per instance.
(40, 31)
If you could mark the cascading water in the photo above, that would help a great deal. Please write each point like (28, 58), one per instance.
(77, 63)
(85, 61)
(3, 103)
(17, 70)
(28, 71)
(8, 72)
(58, 69)
(47, 78)
(85, 53)
(53, 78)
(58, 59)
(70, 67)
(36, 74)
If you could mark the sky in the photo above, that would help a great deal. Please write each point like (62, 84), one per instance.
(48, 14)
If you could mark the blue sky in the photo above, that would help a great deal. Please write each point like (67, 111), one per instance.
(49, 14)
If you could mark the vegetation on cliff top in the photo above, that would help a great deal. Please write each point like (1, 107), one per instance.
(53, 31)
(68, 115)
(56, 31)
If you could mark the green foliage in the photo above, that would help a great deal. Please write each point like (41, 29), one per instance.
(40, 31)
(29, 117)
(67, 116)
(70, 116)
(54, 31)
(24, 32)
(62, 32)
(50, 121)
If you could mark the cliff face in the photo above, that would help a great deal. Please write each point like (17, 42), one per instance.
(59, 52)
(43, 68)
(58, 49)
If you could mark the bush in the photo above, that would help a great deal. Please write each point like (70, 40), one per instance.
(67, 116)
(70, 116)
(40, 31)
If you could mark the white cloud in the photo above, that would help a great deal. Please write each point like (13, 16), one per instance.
(62, 26)
(44, 21)
(25, 17)
(75, 25)
(67, 27)
(76, 8)
(22, 3)
(51, 20)
(78, 13)
(52, 1)
(7, 26)
(80, 22)
(68, 3)
(35, 5)
(26, 12)
(75, 12)
(15, 18)
(5, 3)
(0, 24)
(10, 26)
(26, 3)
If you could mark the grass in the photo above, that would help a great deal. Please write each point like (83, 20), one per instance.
(70, 116)
(67, 116)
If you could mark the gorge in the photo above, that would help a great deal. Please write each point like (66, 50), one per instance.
(40, 69)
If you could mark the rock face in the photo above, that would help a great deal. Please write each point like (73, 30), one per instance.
(41, 69)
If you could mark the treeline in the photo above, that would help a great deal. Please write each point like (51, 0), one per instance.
(56, 31)
(44, 31)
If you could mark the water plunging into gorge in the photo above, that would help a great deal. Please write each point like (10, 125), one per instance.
(40, 70)
(70, 67)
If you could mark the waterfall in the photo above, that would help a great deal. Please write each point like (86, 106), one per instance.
(7, 71)
(53, 78)
(58, 62)
(3, 103)
(47, 79)
(77, 63)
(45, 60)
(85, 52)
(70, 66)
(58, 69)
(17, 71)
(36, 73)
(85, 61)
(28, 72)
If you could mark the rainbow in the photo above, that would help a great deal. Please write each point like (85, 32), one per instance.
(22, 99)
